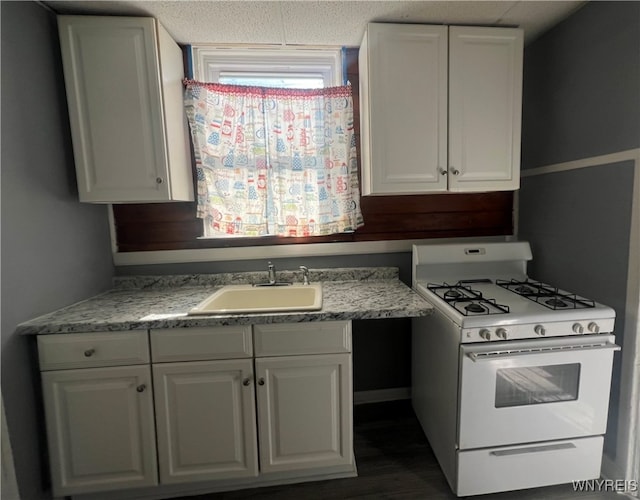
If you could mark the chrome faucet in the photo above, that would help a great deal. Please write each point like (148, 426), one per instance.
(273, 278)
(272, 274)
(305, 275)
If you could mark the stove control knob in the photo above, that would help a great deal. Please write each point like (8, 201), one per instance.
(577, 328)
(593, 327)
(501, 333)
(485, 334)
(540, 330)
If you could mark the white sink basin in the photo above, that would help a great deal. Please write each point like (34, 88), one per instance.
(254, 299)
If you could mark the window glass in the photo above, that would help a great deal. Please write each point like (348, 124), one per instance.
(537, 385)
(308, 81)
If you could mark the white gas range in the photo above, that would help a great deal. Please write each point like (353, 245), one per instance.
(510, 376)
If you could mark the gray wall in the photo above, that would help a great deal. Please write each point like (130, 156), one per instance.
(55, 251)
(582, 99)
(581, 83)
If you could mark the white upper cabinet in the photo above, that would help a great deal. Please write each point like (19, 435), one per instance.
(403, 101)
(124, 90)
(440, 108)
(485, 108)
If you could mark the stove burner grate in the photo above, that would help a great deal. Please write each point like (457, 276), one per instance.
(453, 294)
(466, 300)
(556, 303)
(475, 308)
(546, 295)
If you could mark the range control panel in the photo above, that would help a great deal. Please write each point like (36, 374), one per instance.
(537, 330)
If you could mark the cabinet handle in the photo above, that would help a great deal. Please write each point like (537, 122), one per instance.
(260, 381)
(141, 388)
(159, 180)
(89, 352)
(246, 381)
(442, 171)
(454, 170)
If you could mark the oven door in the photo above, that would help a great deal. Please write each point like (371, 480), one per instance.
(534, 390)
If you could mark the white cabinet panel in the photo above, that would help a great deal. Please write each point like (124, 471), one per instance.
(403, 76)
(100, 429)
(304, 412)
(199, 344)
(315, 337)
(485, 96)
(206, 420)
(124, 92)
(93, 350)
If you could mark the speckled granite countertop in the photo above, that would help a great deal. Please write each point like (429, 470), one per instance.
(163, 302)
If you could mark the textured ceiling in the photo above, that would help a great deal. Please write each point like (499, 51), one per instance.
(309, 22)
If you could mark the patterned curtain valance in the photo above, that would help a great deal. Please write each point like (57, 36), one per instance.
(274, 161)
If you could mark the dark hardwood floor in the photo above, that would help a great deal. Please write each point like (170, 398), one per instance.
(394, 462)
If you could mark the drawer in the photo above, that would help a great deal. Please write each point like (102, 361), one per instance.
(91, 350)
(489, 470)
(316, 337)
(193, 344)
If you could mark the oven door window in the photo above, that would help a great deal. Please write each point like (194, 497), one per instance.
(536, 385)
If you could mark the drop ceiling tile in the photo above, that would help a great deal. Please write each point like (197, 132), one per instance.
(206, 21)
(222, 21)
(317, 22)
(343, 23)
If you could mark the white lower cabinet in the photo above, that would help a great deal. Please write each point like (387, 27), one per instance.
(304, 412)
(205, 412)
(100, 429)
(198, 389)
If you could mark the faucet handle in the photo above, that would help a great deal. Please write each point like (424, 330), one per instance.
(272, 274)
(305, 275)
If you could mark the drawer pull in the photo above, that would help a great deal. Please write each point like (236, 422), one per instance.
(89, 352)
(260, 381)
(141, 388)
(246, 381)
(532, 449)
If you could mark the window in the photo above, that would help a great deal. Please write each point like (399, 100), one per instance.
(233, 65)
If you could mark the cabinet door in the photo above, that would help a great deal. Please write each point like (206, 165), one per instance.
(403, 76)
(112, 74)
(485, 107)
(100, 429)
(206, 420)
(304, 412)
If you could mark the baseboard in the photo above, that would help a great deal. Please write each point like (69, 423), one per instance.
(172, 491)
(381, 395)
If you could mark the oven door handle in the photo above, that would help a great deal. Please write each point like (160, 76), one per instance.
(491, 355)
